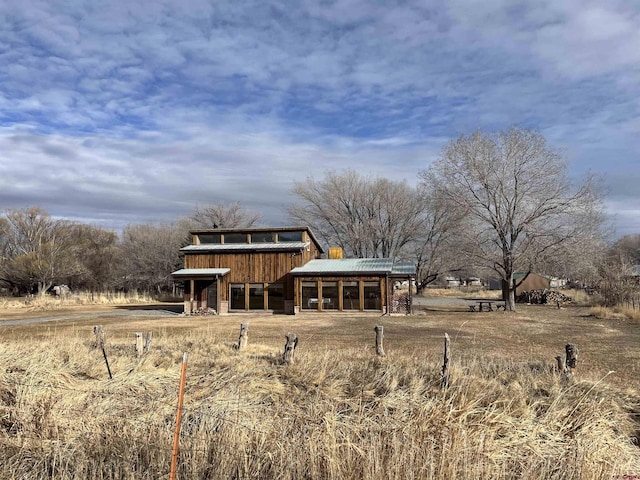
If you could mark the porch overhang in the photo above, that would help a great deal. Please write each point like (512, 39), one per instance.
(199, 273)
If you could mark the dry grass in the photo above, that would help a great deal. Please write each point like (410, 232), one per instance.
(627, 313)
(49, 302)
(337, 413)
(463, 292)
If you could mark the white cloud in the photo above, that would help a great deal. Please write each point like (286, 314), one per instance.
(130, 97)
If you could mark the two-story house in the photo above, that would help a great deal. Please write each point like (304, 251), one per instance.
(281, 270)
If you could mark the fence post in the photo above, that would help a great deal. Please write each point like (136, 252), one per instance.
(243, 341)
(444, 377)
(98, 331)
(561, 364)
(572, 358)
(139, 344)
(176, 435)
(379, 329)
(289, 348)
(147, 342)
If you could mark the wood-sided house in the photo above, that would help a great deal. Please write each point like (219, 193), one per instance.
(280, 270)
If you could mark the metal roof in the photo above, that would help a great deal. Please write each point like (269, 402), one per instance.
(347, 265)
(201, 272)
(245, 247)
(404, 268)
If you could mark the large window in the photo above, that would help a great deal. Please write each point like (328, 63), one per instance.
(290, 237)
(256, 296)
(309, 295)
(237, 296)
(372, 296)
(275, 293)
(350, 296)
(330, 295)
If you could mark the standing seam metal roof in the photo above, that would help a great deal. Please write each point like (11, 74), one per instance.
(350, 265)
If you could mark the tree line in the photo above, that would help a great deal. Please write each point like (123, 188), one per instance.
(491, 205)
(38, 251)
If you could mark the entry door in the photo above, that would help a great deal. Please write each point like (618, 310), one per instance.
(212, 295)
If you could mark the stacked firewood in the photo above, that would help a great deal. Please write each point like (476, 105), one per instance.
(552, 297)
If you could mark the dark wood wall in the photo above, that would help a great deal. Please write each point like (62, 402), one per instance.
(253, 267)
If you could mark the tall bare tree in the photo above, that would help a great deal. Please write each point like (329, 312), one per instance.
(367, 217)
(38, 250)
(520, 204)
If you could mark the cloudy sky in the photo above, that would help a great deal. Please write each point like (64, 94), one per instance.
(117, 112)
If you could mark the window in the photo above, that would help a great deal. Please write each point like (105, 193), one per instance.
(309, 295)
(256, 296)
(275, 293)
(372, 296)
(290, 237)
(329, 295)
(235, 238)
(237, 296)
(350, 296)
(209, 238)
(262, 238)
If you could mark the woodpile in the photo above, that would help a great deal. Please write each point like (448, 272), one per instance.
(552, 297)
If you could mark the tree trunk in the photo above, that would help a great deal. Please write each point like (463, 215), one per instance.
(510, 298)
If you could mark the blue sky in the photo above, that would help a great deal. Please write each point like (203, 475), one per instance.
(129, 112)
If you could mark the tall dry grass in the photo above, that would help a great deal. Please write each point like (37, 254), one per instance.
(619, 312)
(334, 414)
(50, 302)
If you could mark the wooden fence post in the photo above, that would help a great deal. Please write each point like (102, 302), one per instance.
(147, 342)
(379, 329)
(561, 364)
(98, 331)
(444, 380)
(289, 348)
(243, 341)
(572, 358)
(139, 344)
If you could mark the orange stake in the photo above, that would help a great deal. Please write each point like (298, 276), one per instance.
(176, 436)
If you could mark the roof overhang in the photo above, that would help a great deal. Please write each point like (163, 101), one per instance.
(203, 273)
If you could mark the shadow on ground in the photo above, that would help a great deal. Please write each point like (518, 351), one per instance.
(168, 307)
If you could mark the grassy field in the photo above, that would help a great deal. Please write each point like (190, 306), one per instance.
(338, 411)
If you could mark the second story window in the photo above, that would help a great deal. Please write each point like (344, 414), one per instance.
(235, 238)
(289, 237)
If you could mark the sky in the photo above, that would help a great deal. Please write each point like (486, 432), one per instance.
(119, 112)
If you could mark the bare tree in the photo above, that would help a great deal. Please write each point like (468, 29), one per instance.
(99, 254)
(222, 215)
(367, 217)
(628, 248)
(149, 254)
(37, 249)
(435, 248)
(519, 204)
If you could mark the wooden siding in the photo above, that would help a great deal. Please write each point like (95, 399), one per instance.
(257, 267)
